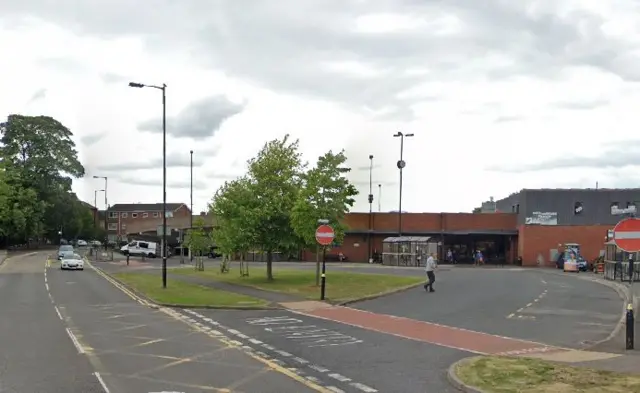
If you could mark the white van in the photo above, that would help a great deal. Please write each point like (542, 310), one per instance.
(140, 247)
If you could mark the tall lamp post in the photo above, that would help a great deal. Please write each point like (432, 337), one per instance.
(106, 207)
(401, 164)
(370, 206)
(379, 198)
(191, 195)
(162, 88)
(95, 204)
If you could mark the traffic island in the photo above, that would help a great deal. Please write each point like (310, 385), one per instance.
(496, 374)
(186, 295)
(341, 286)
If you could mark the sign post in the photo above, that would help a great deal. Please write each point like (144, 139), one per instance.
(626, 235)
(324, 237)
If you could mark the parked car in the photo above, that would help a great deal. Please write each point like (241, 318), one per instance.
(136, 247)
(81, 243)
(64, 250)
(213, 253)
(71, 261)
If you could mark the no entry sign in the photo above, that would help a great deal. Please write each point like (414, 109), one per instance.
(325, 235)
(626, 235)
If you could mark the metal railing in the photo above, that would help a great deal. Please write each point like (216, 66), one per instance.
(620, 271)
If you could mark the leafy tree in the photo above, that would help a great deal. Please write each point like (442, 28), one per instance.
(274, 176)
(232, 206)
(199, 240)
(325, 194)
(39, 154)
(477, 210)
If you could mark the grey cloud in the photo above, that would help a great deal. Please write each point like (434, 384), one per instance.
(616, 155)
(200, 120)
(110, 77)
(508, 119)
(174, 160)
(285, 47)
(92, 139)
(582, 105)
(38, 95)
(158, 182)
(65, 64)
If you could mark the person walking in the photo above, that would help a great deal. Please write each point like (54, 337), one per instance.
(430, 268)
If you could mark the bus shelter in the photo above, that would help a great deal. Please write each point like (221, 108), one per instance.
(407, 250)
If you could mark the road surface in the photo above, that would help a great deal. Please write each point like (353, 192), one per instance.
(555, 309)
(73, 331)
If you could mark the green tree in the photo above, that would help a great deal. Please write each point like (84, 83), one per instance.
(274, 177)
(40, 154)
(199, 241)
(232, 208)
(325, 194)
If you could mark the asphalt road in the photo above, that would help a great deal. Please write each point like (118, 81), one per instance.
(533, 305)
(61, 327)
(356, 360)
(36, 354)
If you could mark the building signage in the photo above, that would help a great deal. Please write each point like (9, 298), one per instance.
(542, 218)
(616, 211)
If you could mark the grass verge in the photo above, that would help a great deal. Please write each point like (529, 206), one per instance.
(185, 294)
(494, 374)
(341, 286)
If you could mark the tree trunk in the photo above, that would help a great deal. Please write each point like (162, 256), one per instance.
(269, 266)
(317, 266)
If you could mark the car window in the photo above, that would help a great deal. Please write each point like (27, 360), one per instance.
(144, 245)
(66, 248)
(70, 255)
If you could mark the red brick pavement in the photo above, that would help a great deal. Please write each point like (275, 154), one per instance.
(446, 336)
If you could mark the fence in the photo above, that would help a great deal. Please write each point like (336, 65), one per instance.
(617, 270)
(99, 255)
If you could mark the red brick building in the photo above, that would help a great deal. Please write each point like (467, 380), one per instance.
(498, 235)
(123, 219)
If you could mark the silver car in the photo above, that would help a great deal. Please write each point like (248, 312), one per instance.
(72, 262)
(65, 249)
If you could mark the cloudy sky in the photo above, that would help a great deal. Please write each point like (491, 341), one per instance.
(500, 94)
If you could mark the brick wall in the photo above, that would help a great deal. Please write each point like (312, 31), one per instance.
(537, 240)
(424, 222)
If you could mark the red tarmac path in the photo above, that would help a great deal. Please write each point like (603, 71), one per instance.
(446, 336)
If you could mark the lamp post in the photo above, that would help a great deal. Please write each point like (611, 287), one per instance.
(379, 198)
(162, 88)
(401, 164)
(191, 208)
(370, 206)
(106, 207)
(95, 204)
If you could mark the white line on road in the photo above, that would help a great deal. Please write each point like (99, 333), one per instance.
(101, 382)
(58, 312)
(75, 341)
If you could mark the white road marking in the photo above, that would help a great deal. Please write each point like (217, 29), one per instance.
(58, 312)
(296, 329)
(101, 382)
(363, 387)
(287, 326)
(75, 341)
(339, 377)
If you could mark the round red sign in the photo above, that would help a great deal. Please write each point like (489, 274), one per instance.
(325, 235)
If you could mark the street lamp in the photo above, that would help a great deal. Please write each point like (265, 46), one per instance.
(379, 198)
(370, 206)
(191, 195)
(401, 164)
(106, 207)
(163, 88)
(95, 204)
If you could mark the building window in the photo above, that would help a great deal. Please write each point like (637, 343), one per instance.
(578, 208)
(113, 214)
(123, 226)
(145, 215)
(169, 214)
(113, 226)
(134, 215)
(517, 208)
(155, 214)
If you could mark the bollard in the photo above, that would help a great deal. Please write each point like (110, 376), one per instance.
(630, 326)
(127, 259)
(630, 269)
(323, 282)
